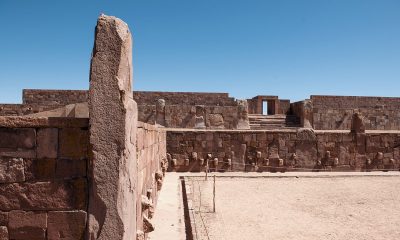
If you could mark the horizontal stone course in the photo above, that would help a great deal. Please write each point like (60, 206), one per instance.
(57, 195)
(66, 225)
(27, 225)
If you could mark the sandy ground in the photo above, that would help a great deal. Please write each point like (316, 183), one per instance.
(335, 207)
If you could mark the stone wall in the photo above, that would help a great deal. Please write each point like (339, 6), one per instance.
(43, 178)
(335, 112)
(64, 97)
(151, 152)
(183, 116)
(245, 148)
(53, 97)
(23, 109)
(186, 98)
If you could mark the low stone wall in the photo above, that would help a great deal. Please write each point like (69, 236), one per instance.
(300, 150)
(64, 97)
(23, 109)
(53, 97)
(151, 152)
(43, 178)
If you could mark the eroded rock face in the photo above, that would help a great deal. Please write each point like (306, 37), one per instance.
(113, 124)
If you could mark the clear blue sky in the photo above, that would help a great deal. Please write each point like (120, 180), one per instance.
(290, 48)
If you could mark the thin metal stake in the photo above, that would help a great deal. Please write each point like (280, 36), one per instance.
(214, 196)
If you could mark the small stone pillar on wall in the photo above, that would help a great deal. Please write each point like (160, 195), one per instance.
(113, 123)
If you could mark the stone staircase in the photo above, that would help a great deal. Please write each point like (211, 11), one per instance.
(258, 121)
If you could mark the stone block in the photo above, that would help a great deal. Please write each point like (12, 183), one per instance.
(47, 143)
(17, 138)
(18, 142)
(73, 143)
(3, 218)
(66, 225)
(11, 170)
(3, 233)
(71, 168)
(39, 169)
(60, 195)
(27, 225)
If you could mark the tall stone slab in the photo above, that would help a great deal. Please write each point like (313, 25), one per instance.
(113, 123)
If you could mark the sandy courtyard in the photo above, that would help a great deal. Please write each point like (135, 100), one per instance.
(355, 207)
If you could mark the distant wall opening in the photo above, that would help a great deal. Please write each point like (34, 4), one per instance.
(265, 108)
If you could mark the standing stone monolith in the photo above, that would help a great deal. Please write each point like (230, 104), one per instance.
(113, 122)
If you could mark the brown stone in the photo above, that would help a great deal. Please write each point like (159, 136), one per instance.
(3, 233)
(40, 169)
(47, 143)
(17, 142)
(27, 225)
(113, 124)
(38, 122)
(67, 168)
(11, 170)
(17, 138)
(73, 143)
(65, 225)
(43, 195)
(357, 123)
(3, 218)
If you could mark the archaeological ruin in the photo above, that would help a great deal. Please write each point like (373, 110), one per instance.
(79, 164)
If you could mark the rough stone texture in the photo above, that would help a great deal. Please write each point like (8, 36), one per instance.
(53, 97)
(67, 168)
(43, 195)
(3, 233)
(243, 115)
(47, 143)
(40, 169)
(244, 148)
(27, 225)
(113, 120)
(66, 225)
(11, 170)
(3, 218)
(38, 122)
(17, 142)
(335, 112)
(357, 123)
(151, 152)
(73, 143)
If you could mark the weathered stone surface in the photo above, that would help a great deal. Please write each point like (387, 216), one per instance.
(17, 142)
(73, 143)
(357, 123)
(17, 138)
(27, 225)
(3, 218)
(40, 169)
(47, 143)
(67, 168)
(3, 233)
(11, 170)
(113, 121)
(37, 122)
(216, 121)
(66, 225)
(243, 115)
(43, 195)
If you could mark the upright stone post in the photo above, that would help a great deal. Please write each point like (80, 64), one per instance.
(113, 122)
